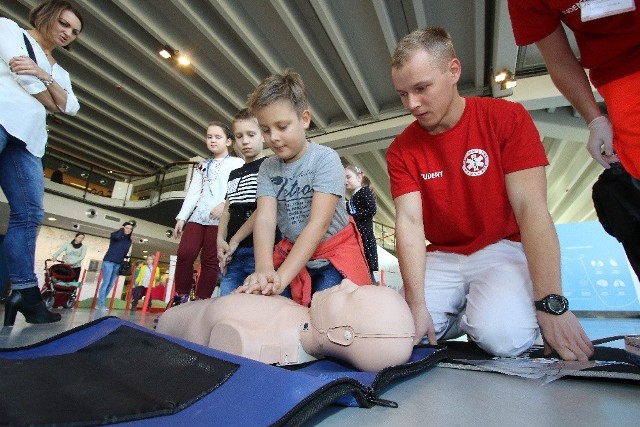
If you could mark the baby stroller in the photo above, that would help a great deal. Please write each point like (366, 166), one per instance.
(60, 287)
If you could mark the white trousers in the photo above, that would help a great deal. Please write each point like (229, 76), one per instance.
(487, 295)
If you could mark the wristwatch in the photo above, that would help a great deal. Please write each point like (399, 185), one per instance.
(553, 303)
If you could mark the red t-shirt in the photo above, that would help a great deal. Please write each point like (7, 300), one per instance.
(609, 47)
(460, 173)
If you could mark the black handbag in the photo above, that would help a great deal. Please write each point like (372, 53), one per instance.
(125, 268)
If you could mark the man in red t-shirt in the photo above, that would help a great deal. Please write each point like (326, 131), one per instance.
(608, 37)
(469, 176)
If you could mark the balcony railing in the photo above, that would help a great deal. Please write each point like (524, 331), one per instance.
(93, 183)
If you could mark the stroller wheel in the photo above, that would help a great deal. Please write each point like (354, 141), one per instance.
(48, 301)
(70, 302)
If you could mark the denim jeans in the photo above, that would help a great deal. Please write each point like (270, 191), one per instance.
(110, 272)
(21, 180)
(321, 278)
(241, 265)
(324, 278)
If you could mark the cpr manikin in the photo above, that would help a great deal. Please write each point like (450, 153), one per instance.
(370, 327)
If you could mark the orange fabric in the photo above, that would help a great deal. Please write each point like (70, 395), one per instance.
(623, 105)
(345, 252)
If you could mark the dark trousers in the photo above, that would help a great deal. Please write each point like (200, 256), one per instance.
(197, 239)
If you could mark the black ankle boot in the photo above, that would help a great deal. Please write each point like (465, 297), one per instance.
(28, 302)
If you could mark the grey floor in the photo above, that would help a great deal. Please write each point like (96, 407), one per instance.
(442, 396)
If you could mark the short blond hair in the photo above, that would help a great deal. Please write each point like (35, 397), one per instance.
(287, 86)
(435, 40)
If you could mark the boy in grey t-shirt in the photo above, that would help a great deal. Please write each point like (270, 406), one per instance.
(294, 184)
(301, 190)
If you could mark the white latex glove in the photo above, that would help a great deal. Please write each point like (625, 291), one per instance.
(600, 144)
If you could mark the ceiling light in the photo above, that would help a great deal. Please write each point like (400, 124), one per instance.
(84, 174)
(52, 219)
(505, 79)
(509, 84)
(144, 252)
(166, 52)
(183, 60)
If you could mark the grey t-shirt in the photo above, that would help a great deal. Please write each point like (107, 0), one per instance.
(293, 185)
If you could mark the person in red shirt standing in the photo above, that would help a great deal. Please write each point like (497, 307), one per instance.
(468, 175)
(608, 38)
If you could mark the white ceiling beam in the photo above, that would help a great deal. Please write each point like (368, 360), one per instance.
(561, 125)
(386, 25)
(259, 46)
(300, 34)
(505, 51)
(480, 42)
(102, 49)
(342, 46)
(141, 16)
(420, 12)
(539, 92)
(217, 40)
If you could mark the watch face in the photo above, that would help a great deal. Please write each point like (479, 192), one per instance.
(556, 304)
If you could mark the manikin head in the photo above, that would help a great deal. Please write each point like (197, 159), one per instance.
(370, 327)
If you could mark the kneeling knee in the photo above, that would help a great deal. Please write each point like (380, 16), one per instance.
(504, 342)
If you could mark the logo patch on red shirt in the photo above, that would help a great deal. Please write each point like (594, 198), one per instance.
(475, 162)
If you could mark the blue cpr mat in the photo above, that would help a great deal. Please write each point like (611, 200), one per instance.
(113, 371)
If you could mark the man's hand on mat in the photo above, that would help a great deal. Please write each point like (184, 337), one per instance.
(565, 335)
(424, 324)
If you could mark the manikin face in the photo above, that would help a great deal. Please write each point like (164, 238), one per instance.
(217, 142)
(65, 30)
(248, 139)
(150, 260)
(353, 181)
(369, 326)
(283, 130)
(427, 89)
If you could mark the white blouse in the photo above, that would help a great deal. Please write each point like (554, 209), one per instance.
(206, 191)
(22, 115)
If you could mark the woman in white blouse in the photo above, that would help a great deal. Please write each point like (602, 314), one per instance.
(31, 83)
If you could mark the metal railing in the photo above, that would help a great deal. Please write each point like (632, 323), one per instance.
(385, 236)
(91, 182)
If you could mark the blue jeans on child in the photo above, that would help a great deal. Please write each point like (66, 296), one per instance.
(23, 185)
(321, 278)
(241, 265)
(324, 277)
(110, 271)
